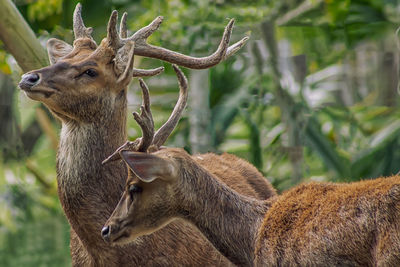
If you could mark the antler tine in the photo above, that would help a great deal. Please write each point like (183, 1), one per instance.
(80, 31)
(128, 145)
(236, 46)
(223, 51)
(145, 32)
(145, 119)
(112, 34)
(162, 134)
(123, 29)
(116, 42)
(143, 73)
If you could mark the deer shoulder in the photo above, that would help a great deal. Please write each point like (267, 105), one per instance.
(238, 173)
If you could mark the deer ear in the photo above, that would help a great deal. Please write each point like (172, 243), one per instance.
(124, 60)
(57, 49)
(149, 167)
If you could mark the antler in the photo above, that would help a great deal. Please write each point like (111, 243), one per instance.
(162, 134)
(142, 48)
(80, 31)
(220, 54)
(149, 140)
(118, 40)
(145, 119)
(114, 42)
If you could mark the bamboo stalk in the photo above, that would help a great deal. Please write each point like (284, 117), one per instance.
(299, 11)
(199, 113)
(290, 116)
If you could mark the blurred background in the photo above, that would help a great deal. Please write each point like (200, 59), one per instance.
(312, 96)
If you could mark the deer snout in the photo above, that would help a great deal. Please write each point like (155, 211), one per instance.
(112, 233)
(29, 80)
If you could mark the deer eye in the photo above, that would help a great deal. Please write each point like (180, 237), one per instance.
(134, 189)
(91, 73)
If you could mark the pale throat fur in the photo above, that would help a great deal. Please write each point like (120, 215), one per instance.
(83, 146)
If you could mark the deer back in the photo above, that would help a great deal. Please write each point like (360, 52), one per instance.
(329, 224)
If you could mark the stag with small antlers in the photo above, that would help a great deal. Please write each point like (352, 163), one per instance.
(138, 215)
(86, 88)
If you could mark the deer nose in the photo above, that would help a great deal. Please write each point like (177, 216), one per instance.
(105, 233)
(28, 80)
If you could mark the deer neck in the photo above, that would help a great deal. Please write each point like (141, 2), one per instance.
(89, 191)
(228, 220)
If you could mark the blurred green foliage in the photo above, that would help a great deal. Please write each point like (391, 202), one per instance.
(336, 63)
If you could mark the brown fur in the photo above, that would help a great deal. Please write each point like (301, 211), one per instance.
(315, 224)
(232, 170)
(93, 115)
(355, 224)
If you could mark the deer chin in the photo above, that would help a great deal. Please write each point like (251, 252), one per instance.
(127, 241)
(39, 93)
(128, 236)
(122, 238)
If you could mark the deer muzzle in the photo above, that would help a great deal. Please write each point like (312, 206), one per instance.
(29, 80)
(32, 84)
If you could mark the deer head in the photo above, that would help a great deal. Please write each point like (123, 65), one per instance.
(148, 202)
(96, 76)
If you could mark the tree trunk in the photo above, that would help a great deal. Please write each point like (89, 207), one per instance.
(21, 42)
(10, 143)
(19, 38)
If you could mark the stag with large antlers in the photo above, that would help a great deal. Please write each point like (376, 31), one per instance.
(86, 88)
